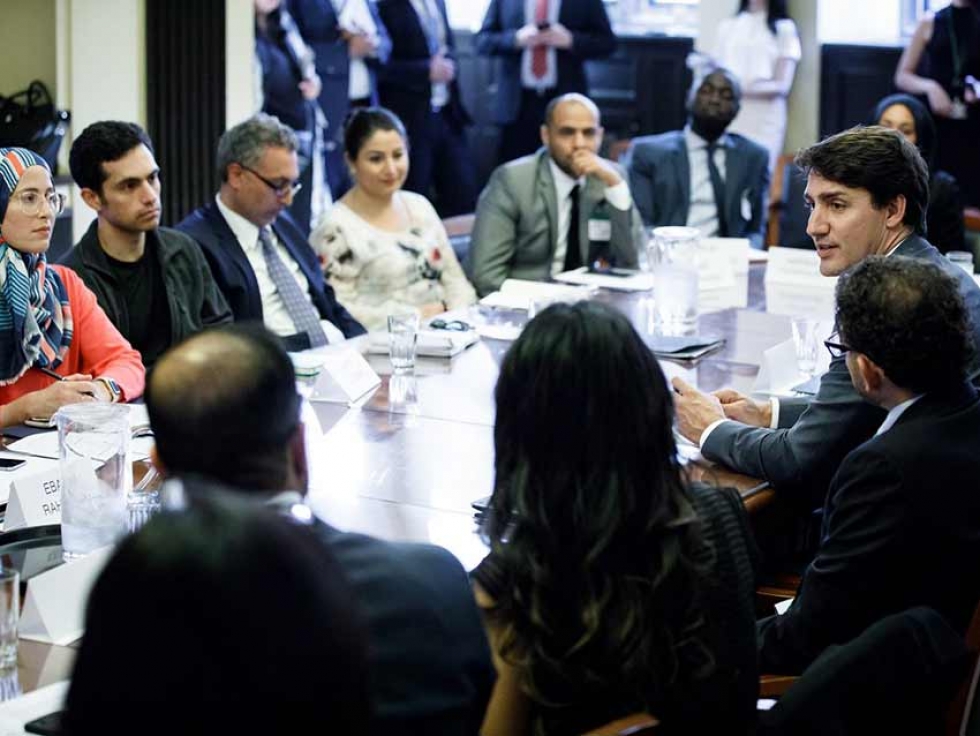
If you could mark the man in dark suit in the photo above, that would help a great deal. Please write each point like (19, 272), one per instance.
(431, 671)
(562, 208)
(702, 176)
(901, 524)
(419, 85)
(350, 42)
(540, 51)
(258, 255)
(867, 189)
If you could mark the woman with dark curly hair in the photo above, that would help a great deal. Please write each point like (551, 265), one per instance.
(611, 586)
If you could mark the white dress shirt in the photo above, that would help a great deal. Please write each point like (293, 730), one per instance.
(895, 413)
(355, 16)
(427, 9)
(617, 196)
(550, 77)
(274, 312)
(703, 213)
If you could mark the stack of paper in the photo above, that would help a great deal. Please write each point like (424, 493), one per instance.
(518, 294)
(431, 343)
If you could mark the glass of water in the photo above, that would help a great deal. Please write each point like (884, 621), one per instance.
(96, 475)
(963, 259)
(673, 260)
(403, 335)
(806, 341)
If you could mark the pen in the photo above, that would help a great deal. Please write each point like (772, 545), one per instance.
(59, 377)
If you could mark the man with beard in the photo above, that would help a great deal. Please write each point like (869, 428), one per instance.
(152, 282)
(559, 209)
(702, 176)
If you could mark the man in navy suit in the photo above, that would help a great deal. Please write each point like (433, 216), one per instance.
(350, 42)
(419, 85)
(901, 524)
(540, 48)
(258, 255)
(430, 666)
(702, 176)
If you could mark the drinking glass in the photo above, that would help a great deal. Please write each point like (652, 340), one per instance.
(403, 335)
(963, 259)
(9, 616)
(96, 475)
(673, 260)
(806, 341)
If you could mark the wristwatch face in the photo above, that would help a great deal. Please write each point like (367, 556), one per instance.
(112, 386)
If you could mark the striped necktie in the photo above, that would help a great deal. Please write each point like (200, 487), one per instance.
(297, 304)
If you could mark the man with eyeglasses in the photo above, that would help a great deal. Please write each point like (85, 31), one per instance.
(152, 282)
(703, 176)
(259, 257)
(867, 190)
(901, 515)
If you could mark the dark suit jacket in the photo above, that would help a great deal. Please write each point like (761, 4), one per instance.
(430, 662)
(403, 83)
(901, 529)
(592, 39)
(317, 22)
(236, 279)
(801, 456)
(660, 179)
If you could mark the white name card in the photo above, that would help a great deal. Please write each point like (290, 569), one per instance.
(54, 609)
(795, 287)
(723, 273)
(34, 500)
(346, 376)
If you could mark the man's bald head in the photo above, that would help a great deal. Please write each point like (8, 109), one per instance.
(223, 404)
(571, 98)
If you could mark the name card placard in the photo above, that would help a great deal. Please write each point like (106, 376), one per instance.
(54, 609)
(795, 287)
(35, 500)
(346, 376)
(723, 273)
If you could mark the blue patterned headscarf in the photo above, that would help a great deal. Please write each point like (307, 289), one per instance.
(35, 317)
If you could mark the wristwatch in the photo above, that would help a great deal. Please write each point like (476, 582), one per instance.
(114, 391)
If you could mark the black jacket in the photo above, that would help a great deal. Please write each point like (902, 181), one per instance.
(901, 529)
(236, 279)
(193, 298)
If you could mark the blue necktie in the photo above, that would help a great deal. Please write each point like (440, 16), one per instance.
(303, 314)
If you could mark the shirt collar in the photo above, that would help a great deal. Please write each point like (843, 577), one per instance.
(246, 232)
(895, 413)
(694, 142)
(563, 182)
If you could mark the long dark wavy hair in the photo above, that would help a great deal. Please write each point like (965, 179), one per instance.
(777, 11)
(590, 521)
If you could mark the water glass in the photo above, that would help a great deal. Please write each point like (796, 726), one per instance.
(9, 616)
(96, 475)
(963, 259)
(806, 341)
(403, 335)
(673, 260)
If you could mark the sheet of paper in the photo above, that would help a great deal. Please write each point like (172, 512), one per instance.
(15, 713)
(431, 343)
(519, 294)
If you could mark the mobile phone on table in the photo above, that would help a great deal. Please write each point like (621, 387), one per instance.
(50, 725)
(11, 463)
(40, 422)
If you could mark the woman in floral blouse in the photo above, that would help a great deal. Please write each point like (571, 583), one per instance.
(385, 250)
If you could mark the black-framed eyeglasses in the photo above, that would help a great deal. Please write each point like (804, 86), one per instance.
(456, 325)
(282, 189)
(836, 349)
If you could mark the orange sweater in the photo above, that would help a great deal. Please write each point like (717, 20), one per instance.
(96, 348)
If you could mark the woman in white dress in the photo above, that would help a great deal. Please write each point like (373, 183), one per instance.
(761, 47)
(382, 249)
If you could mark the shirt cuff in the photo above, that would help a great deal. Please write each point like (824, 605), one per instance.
(619, 196)
(708, 430)
(774, 412)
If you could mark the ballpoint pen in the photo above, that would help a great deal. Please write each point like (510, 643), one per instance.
(59, 377)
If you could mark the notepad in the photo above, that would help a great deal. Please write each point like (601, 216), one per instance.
(431, 343)
(684, 347)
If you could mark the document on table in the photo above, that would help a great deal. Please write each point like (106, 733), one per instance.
(19, 711)
(618, 280)
(520, 294)
(431, 343)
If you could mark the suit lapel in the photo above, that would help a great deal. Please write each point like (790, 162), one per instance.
(231, 246)
(546, 193)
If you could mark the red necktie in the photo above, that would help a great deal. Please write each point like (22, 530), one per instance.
(539, 55)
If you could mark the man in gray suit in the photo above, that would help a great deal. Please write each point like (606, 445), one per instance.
(702, 176)
(559, 209)
(867, 190)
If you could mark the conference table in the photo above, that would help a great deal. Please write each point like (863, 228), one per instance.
(407, 462)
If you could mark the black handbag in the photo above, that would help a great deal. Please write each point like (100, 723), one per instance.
(29, 119)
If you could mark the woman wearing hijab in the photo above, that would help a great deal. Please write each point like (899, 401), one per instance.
(944, 218)
(57, 346)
